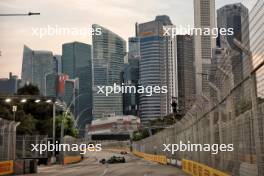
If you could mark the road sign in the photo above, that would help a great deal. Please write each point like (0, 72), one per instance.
(14, 108)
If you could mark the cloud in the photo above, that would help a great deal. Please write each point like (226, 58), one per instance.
(117, 15)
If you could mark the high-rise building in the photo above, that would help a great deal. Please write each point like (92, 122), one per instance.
(61, 84)
(36, 65)
(219, 60)
(51, 81)
(235, 16)
(257, 49)
(57, 64)
(77, 64)
(186, 72)
(130, 77)
(204, 17)
(9, 85)
(134, 49)
(109, 50)
(157, 67)
(70, 96)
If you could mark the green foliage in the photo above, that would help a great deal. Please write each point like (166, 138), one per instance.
(35, 118)
(27, 123)
(69, 128)
(5, 112)
(140, 134)
(28, 90)
(165, 121)
(158, 125)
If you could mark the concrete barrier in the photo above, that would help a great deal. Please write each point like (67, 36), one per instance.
(248, 169)
(118, 150)
(71, 159)
(149, 157)
(6, 167)
(196, 169)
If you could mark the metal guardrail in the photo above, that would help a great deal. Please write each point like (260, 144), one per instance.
(7, 139)
(233, 112)
(24, 146)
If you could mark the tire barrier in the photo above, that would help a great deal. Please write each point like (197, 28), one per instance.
(149, 157)
(196, 169)
(6, 167)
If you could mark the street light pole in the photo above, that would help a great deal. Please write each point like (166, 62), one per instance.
(20, 14)
(53, 158)
(66, 112)
(14, 109)
(77, 118)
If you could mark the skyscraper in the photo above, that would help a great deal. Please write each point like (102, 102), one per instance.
(61, 84)
(51, 84)
(157, 67)
(9, 85)
(204, 17)
(52, 79)
(36, 65)
(236, 16)
(57, 63)
(109, 50)
(131, 77)
(186, 72)
(77, 64)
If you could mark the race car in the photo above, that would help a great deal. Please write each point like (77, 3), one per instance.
(113, 160)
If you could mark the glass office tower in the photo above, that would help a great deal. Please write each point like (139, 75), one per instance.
(109, 50)
(77, 64)
(236, 16)
(204, 17)
(36, 65)
(157, 67)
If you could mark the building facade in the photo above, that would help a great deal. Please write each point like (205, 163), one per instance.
(9, 85)
(51, 81)
(70, 96)
(186, 72)
(109, 51)
(130, 77)
(57, 64)
(236, 16)
(114, 125)
(77, 64)
(204, 17)
(36, 65)
(157, 67)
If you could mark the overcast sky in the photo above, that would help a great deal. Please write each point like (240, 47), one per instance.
(117, 15)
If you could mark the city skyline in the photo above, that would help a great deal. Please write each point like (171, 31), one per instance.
(16, 32)
(169, 88)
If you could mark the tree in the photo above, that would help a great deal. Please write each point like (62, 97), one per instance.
(28, 90)
(140, 134)
(35, 118)
(69, 128)
(5, 111)
(27, 123)
(41, 112)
